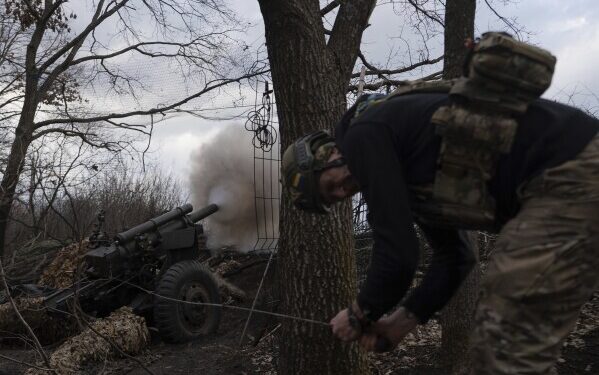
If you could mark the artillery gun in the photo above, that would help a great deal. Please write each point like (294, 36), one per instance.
(153, 268)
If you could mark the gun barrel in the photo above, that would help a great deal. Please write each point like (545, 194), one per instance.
(154, 223)
(202, 213)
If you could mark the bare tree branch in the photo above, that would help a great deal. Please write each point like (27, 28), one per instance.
(136, 47)
(374, 71)
(329, 7)
(32, 9)
(366, 63)
(395, 83)
(509, 23)
(74, 45)
(209, 87)
(352, 19)
(97, 19)
(426, 13)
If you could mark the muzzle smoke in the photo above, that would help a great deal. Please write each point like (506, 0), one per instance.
(223, 172)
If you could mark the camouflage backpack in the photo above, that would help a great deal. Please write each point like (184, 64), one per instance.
(503, 76)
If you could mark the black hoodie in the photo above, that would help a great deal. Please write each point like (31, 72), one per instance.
(393, 144)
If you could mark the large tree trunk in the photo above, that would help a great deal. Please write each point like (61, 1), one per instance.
(459, 25)
(457, 317)
(316, 268)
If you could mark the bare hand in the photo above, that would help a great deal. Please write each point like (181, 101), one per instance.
(393, 327)
(342, 327)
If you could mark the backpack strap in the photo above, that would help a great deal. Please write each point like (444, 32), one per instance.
(419, 87)
(411, 87)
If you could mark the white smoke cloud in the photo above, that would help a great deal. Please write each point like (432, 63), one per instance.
(223, 172)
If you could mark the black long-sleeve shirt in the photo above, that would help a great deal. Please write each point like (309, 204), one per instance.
(393, 144)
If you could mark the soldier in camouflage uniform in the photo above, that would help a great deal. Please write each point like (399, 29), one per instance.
(543, 269)
(479, 153)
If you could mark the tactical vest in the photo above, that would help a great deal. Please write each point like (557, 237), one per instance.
(502, 77)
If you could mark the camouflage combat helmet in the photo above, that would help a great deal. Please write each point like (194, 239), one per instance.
(303, 161)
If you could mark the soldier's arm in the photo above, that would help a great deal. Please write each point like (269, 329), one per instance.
(372, 158)
(451, 262)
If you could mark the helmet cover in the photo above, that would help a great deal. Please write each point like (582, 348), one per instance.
(303, 161)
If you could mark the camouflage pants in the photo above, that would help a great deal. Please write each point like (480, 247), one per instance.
(543, 270)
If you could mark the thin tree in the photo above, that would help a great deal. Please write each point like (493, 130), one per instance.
(458, 316)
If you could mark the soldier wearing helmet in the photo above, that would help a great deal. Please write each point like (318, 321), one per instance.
(541, 194)
(316, 173)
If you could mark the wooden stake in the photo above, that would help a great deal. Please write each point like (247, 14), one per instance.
(361, 82)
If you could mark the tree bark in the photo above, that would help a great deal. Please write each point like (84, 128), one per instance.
(23, 131)
(10, 179)
(459, 25)
(457, 317)
(316, 268)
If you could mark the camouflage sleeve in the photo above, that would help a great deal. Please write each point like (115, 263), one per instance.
(451, 262)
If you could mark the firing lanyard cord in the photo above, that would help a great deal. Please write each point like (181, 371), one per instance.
(251, 310)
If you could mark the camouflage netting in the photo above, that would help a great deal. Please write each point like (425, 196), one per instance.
(31, 309)
(226, 288)
(227, 266)
(25, 265)
(48, 328)
(123, 328)
(61, 271)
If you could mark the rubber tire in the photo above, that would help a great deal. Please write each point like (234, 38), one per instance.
(169, 315)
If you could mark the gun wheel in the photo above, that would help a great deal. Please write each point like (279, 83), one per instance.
(178, 313)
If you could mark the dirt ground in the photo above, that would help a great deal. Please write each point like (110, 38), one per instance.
(221, 353)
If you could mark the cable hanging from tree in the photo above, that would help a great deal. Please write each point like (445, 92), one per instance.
(260, 123)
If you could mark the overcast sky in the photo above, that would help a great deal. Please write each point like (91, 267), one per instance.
(567, 28)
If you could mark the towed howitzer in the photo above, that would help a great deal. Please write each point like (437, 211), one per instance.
(154, 268)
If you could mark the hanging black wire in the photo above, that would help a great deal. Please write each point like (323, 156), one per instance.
(260, 123)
